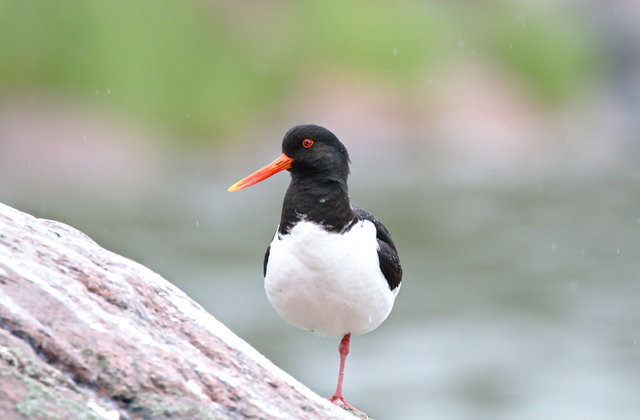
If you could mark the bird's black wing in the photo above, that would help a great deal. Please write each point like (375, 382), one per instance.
(387, 254)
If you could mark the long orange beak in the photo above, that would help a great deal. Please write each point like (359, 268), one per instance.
(280, 164)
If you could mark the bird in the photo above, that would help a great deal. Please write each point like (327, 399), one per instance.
(331, 267)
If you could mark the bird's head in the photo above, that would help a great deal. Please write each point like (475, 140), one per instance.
(307, 151)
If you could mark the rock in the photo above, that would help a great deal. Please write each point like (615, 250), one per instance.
(88, 334)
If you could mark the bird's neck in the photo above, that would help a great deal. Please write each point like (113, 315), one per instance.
(324, 201)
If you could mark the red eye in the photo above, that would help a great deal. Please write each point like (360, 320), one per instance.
(307, 143)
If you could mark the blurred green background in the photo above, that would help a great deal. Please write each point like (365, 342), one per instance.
(497, 140)
(201, 69)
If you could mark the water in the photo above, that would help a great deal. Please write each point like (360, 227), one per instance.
(520, 298)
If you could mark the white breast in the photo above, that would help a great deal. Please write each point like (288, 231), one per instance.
(329, 283)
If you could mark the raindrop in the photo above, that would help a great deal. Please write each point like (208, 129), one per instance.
(553, 247)
(395, 51)
(197, 224)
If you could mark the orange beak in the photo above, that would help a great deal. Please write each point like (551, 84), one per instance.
(280, 164)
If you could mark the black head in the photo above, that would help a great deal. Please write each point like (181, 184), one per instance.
(319, 167)
(311, 153)
(315, 151)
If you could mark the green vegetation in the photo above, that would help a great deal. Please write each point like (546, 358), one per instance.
(201, 67)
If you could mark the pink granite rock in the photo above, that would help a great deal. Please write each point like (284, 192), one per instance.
(86, 333)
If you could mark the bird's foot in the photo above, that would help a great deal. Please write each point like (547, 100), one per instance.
(340, 401)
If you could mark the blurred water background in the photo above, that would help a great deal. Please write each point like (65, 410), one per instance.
(499, 141)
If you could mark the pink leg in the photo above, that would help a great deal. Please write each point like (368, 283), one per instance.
(337, 398)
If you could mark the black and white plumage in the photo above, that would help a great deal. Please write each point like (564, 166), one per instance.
(332, 267)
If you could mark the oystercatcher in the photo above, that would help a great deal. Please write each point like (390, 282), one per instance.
(331, 267)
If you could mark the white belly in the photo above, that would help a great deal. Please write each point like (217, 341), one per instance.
(329, 283)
